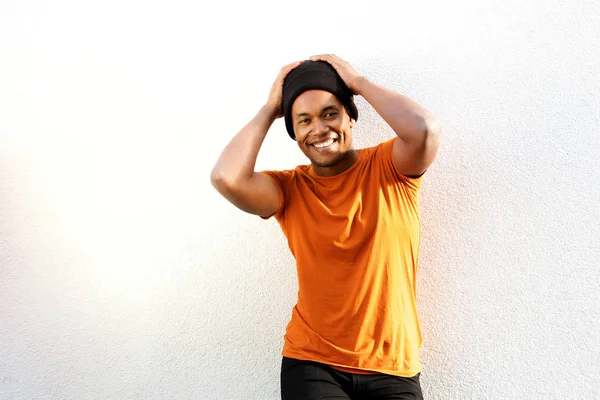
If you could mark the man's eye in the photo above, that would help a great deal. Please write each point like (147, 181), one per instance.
(331, 114)
(303, 121)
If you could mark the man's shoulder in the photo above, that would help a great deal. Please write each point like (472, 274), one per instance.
(377, 151)
(299, 170)
(378, 148)
(286, 175)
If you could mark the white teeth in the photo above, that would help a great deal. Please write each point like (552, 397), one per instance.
(323, 144)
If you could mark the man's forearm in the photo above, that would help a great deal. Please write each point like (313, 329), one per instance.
(238, 159)
(409, 120)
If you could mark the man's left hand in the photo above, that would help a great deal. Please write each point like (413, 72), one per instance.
(344, 70)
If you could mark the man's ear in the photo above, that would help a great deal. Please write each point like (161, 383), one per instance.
(352, 121)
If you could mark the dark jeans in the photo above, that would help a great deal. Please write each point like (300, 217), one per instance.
(309, 380)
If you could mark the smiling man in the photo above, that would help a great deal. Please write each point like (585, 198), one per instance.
(351, 218)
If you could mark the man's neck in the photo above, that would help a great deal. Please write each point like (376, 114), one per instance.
(347, 161)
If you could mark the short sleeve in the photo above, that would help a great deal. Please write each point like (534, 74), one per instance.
(280, 178)
(384, 151)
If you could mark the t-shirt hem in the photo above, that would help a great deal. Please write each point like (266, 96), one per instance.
(351, 368)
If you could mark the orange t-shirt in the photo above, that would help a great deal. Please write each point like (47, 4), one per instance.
(355, 237)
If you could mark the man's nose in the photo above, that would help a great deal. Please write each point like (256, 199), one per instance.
(320, 126)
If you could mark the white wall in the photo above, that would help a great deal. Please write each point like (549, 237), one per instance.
(123, 275)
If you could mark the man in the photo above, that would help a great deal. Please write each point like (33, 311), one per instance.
(351, 218)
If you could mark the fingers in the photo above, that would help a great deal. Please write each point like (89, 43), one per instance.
(333, 60)
(343, 68)
(286, 69)
(330, 58)
(322, 56)
(276, 93)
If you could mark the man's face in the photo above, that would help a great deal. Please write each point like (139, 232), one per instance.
(322, 128)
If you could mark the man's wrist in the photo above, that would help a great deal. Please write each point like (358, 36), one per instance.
(270, 112)
(358, 84)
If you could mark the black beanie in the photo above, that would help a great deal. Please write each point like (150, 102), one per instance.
(314, 75)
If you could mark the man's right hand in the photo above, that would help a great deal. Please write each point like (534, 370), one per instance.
(234, 176)
(276, 95)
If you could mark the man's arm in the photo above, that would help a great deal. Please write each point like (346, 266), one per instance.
(417, 130)
(233, 175)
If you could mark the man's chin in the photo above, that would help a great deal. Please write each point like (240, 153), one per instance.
(327, 162)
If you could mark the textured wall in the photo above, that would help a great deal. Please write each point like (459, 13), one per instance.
(123, 275)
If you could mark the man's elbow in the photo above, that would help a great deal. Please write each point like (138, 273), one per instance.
(225, 182)
(432, 132)
(219, 180)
